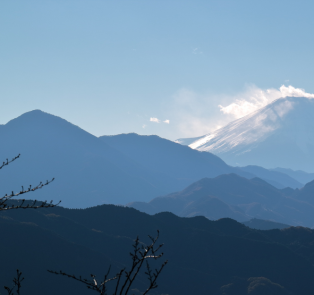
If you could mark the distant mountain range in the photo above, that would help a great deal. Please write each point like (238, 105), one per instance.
(216, 257)
(300, 176)
(118, 169)
(280, 134)
(238, 198)
(169, 158)
(261, 224)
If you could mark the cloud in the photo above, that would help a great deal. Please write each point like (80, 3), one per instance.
(144, 126)
(197, 51)
(167, 121)
(192, 113)
(154, 120)
(196, 114)
(255, 98)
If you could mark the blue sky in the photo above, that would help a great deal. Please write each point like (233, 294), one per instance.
(111, 66)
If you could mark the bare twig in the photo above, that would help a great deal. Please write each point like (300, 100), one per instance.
(4, 205)
(140, 254)
(8, 162)
(91, 284)
(34, 205)
(153, 277)
(16, 284)
(3, 200)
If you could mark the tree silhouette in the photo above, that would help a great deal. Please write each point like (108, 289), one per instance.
(124, 278)
(4, 201)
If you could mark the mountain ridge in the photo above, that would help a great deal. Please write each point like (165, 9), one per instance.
(239, 198)
(277, 135)
(208, 253)
(168, 157)
(91, 171)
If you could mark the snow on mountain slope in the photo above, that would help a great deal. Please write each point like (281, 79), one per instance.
(280, 134)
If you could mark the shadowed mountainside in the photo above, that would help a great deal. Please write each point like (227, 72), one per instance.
(208, 254)
(235, 197)
(87, 170)
(176, 160)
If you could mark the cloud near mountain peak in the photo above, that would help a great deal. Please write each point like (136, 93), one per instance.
(256, 98)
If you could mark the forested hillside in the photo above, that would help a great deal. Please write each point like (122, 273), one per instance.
(211, 254)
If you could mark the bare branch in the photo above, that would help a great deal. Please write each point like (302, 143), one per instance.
(139, 255)
(91, 284)
(153, 277)
(4, 205)
(16, 284)
(8, 162)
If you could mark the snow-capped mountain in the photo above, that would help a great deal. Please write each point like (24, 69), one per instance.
(280, 134)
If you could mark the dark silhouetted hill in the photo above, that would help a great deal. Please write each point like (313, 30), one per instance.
(204, 256)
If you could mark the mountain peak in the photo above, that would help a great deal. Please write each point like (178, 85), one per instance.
(36, 117)
(279, 134)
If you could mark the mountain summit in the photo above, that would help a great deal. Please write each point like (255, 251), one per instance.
(280, 134)
(119, 169)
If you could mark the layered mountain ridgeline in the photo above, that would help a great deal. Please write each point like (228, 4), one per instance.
(276, 178)
(91, 171)
(175, 160)
(239, 198)
(205, 257)
(88, 171)
(300, 176)
(277, 135)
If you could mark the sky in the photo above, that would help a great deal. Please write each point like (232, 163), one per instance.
(172, 68)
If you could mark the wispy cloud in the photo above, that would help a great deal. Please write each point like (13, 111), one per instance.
(192, 114)
(155, 120)
(196, 114)
(196, 50)
(167, 121)
(144, 126)
(255, 98)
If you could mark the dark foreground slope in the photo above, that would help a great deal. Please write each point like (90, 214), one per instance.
(239, 198)
(204, 256)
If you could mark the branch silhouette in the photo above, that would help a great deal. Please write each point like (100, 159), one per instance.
(34, 205)
(125, 278)
(8, 162)
(16, 284)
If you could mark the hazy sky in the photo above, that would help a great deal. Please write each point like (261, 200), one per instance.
(152, 67)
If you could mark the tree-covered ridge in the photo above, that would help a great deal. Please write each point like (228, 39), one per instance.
(204, 255)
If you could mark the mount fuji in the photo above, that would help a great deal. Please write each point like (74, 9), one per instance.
(280, 134)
